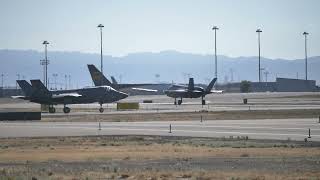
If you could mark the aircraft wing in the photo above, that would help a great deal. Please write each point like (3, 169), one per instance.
(217, 91)
(66, 95)
(179, 86)
(177, 90)
(20, 97)
(123, 86)
(143, 89)
(196, 91)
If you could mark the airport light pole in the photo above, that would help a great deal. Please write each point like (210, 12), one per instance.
(101, 56)
(66, 81)
(215, 28)
(261, 71)
(306, 55)
(55, 75)
(266, 73)
(2, 76)
(45, 63)
(259, 31)
(231, 74)
(69, 81)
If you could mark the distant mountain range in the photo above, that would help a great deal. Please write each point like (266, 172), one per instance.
(166, 66)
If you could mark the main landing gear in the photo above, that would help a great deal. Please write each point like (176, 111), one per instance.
(179, 101)
(101, 108)
(66, 109)
(52, 109)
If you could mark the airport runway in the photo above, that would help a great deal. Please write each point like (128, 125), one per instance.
(278, 129)
(162, 103)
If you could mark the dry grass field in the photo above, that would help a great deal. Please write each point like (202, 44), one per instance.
(155, 157)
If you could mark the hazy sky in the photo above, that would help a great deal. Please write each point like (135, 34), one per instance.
(157, 25)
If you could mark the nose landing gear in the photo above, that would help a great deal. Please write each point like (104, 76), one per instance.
(101, 108)
(203, 102)
(179, 101)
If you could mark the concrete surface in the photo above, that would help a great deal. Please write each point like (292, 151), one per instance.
(284, 129)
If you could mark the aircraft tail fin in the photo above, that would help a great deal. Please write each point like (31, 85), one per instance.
(114, 81)
(98, 78)
(39, 88)
(211, 84)
(191, 84)
(25, 86)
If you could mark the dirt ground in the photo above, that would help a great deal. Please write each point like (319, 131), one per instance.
(155, 157)
(184, 116)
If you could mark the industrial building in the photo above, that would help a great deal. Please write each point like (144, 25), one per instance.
(280, 85)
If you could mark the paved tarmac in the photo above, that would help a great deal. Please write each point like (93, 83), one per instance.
(278, 129)
(162, 103)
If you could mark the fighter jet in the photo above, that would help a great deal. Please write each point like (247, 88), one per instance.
(38, 93)
(190, 91)
(100, 80)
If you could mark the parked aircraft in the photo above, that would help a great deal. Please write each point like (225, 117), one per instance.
(190, 91)
(100, 80)
(38, 93)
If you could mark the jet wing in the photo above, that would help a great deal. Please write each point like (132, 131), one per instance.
(177, 90)
(20, 97)
(66, 95)
(217, 91)
(179, 86)
(143, 89)
(123, 86)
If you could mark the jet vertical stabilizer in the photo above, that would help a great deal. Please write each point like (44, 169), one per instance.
(25, 86)
(210, 86)
(39, 88)
(98, 78)
(191, 84)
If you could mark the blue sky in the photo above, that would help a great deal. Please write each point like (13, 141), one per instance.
(153, 26)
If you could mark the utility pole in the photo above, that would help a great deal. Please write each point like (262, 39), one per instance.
(215, 28)
(306, 55)
(259, 31)
(101, 56)
(45, 64)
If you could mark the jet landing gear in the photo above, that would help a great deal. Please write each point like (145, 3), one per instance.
(180, 101)
(66, 109)
(52, 109)
(101, 108)
(203, 101)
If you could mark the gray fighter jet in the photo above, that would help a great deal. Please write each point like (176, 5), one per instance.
(100, 80)
(38, 93)
(190, 91)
